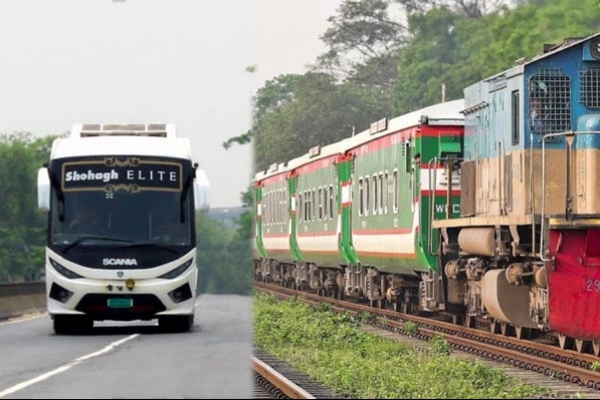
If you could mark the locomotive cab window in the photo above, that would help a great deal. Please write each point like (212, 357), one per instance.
(549, 102)
(515, 109)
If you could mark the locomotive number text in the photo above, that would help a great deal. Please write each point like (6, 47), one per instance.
(593, 285)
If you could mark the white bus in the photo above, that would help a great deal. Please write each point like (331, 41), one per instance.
(121, 244)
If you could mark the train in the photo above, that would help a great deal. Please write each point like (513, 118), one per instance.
(485, 209)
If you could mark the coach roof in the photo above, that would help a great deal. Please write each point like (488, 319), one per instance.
(121, 145)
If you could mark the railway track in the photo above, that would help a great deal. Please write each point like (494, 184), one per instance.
(275, 379)
(575, 370)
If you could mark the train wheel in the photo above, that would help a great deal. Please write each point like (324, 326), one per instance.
(580, 345)
(493, 326)
(564, 341)
(404, 308)
(457, 319)
(470, 321)
(522, 333)
(596, 347)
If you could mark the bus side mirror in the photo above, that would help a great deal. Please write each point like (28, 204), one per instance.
(43, 187)
(201, 191)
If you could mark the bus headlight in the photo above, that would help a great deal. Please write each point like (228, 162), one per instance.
(177, 271)
(67, 273)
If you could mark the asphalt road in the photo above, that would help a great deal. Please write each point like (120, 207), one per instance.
(132, 360)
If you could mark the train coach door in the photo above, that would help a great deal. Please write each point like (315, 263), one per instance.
(258, 229)
(345, 168)
(294, 206)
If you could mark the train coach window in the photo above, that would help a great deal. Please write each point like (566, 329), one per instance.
(361, 197)
(380, 193)
(375, 193)
(306, 206)
(386, 193)
(320, 198)
(307, 216)
(299, 207)
(323, 201)
(367, 195)
(314, 204)
(276, 207)
(331, 201)
(395, 188)
(365, 199)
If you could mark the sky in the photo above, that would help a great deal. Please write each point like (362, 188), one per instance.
(64, 62)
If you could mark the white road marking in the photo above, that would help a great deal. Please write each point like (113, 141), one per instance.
(17, 320)
(65, 367)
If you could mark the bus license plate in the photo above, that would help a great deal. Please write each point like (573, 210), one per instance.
(120, 303)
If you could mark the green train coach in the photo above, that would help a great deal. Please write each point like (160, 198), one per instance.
(353, 219)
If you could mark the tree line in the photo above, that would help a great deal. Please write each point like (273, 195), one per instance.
(385, 58)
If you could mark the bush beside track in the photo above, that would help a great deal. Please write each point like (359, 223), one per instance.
(332, 348)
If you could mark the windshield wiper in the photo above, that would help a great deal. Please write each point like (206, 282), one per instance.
(150, 244)
(81, 239)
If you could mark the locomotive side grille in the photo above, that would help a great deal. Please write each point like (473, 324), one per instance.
(589, 95)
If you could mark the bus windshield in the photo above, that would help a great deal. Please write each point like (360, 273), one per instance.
(108, 202)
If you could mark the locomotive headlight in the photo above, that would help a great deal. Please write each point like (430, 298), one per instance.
(130, 283)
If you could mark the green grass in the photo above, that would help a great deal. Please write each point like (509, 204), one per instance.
(332, 348)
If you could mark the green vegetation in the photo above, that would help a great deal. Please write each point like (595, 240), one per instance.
(22, 226)
(223, 257)
(410, 327)
(378, 65)
(356, 364)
